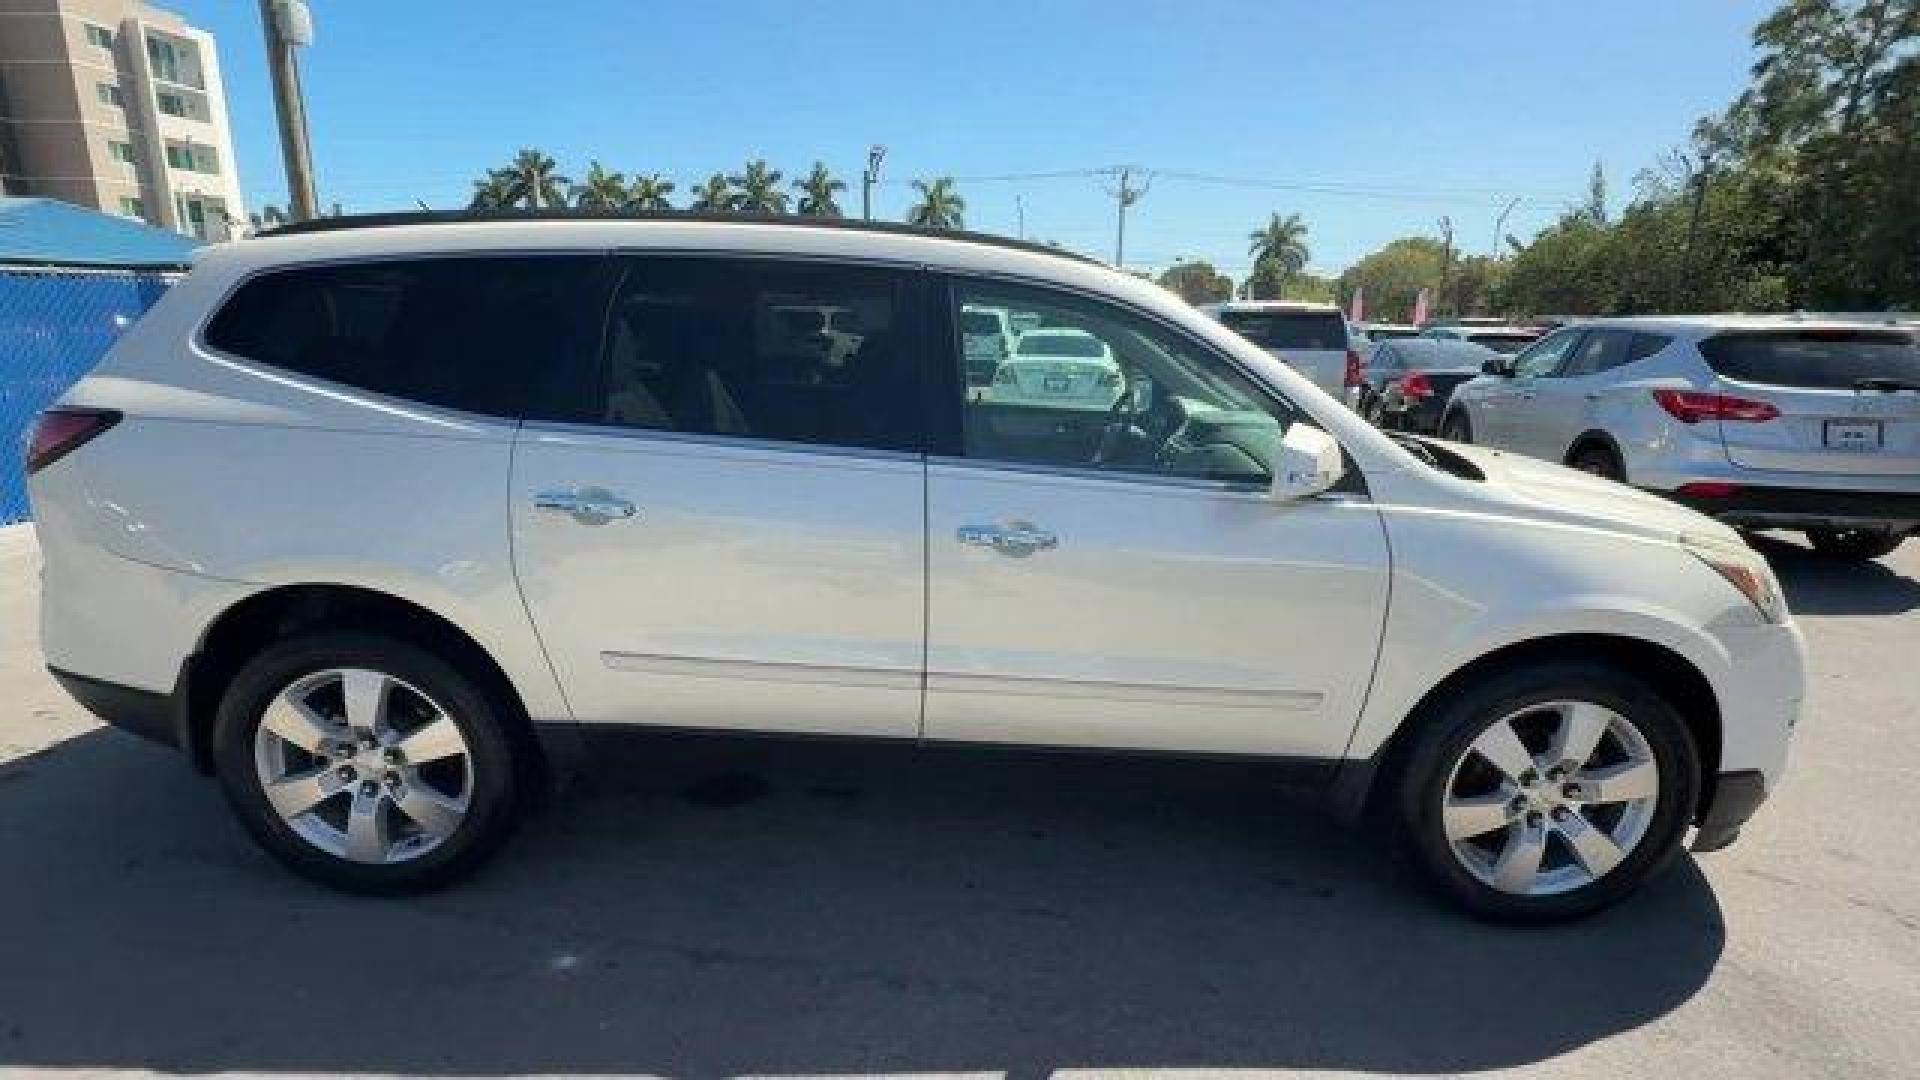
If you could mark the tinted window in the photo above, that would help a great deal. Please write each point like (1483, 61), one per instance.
(1543, 357)
(1817, 359)
(490, 335)
(1289, 329)
(1142, 399)
(1600, 351)
(1645, 345)
(755, 349)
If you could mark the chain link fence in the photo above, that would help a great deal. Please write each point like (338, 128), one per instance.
(55, 325)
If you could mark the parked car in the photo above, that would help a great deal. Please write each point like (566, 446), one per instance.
(1378, 332)
(1410, 380)
(986, 338)
(374, 518)
(1765, 422)
(1501, 339)
(1058, 367)
(1310, 338)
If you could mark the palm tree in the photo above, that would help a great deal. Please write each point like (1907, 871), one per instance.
(1281, 245)
(940, 207)
(602, 190)
(816, 192)
(650, 192)
(493, 191)
(534, 181)
(715, 196)
(759, 186)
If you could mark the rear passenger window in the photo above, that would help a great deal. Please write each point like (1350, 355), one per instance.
(1645, 345)
(789, 351)
(488, 335)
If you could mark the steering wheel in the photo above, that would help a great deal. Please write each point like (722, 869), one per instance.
(1117, 427)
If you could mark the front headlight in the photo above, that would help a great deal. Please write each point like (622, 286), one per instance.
(1747, 572)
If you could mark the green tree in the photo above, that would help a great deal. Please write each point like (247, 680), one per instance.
(493, 191)
(715, 196)
(1393, 276)
(759, 189)
(1279, 251)
(650, 192)
(1197, 282)
(601, 190)
(939, 205)
(533, 181)
(817, 189)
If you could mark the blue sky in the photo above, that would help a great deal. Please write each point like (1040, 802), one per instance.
(1370, 119)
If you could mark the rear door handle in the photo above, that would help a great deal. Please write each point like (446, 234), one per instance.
(1018, 539)
(588, 506)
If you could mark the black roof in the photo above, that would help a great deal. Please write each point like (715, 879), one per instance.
(445, 217)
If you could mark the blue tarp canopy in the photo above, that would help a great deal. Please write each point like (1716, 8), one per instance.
(47, 232)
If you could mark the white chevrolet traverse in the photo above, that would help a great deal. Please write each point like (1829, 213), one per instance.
(365, 516)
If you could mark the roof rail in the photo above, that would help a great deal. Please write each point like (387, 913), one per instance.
(345, 222)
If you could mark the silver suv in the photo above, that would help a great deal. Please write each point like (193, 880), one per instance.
(1763, 422)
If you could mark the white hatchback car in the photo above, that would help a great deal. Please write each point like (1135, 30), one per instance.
(372, 517)
(1765, 422)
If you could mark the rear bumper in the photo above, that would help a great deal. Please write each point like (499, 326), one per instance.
(153, 716)
(1800, 507)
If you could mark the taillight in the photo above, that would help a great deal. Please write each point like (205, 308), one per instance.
(1356, 374)
(1693, 406)
(59, 432)
(1708, 489)
(1416, 384)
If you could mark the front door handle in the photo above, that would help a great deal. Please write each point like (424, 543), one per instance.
(588, 506)
(1018, 539)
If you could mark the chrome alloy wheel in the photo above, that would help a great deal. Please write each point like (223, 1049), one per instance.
(1550, 798)
(363, 766)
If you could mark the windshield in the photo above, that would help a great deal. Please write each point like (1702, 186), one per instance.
(1814, 359)
(1289, 329)
(1060, 345)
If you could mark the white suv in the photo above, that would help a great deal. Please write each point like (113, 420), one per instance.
(372, 517)
(1765, 422)
(1313, 339)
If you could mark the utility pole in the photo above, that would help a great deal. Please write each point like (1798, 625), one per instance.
(1446, 264)
(1020, 208)
(289, 25)
(1687, 290)
(1125, 195)
(875, 154)
(1500, 225)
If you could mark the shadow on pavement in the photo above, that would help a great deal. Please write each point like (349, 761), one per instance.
(1818, 585)
(716, 909)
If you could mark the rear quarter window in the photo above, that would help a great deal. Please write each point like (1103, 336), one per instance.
(501, 335)
(1813, 359)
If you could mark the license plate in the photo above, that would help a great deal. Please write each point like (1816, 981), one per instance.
(1854, 434)
(1057, 384)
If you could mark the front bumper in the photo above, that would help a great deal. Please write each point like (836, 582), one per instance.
(1736, 796)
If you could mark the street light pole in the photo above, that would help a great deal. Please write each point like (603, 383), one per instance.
(875, 154)
(288, 25)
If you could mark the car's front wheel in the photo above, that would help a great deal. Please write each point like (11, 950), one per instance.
(365, 762)
(1456, 427)
(1547, 792)
(1858, 544)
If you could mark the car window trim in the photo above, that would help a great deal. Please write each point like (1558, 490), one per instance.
(783, 447)
(1577, 334)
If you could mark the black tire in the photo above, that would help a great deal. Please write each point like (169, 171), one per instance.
(494, 786)
(1456, 427)
(1422, 768)
(1598, 459)
(1859, 545)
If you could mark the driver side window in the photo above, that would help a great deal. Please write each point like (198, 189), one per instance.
(1542, 359)
(1063, 380)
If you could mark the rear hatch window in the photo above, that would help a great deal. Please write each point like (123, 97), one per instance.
(1815, 359)
(1290, 329)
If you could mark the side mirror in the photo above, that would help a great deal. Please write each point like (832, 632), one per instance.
(1307, 463)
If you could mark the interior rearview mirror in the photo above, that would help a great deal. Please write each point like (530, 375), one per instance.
(1307, 463)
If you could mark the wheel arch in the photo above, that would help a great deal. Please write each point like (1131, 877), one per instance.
(1676, 678)
(1595, 437)
(251, 624)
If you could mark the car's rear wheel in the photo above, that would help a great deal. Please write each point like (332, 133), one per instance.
(366, 763)
(1546, 793)
(1597, 459)
(1859, 544)
(1456, 427)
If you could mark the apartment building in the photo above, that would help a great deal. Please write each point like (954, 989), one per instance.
(117, 106)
